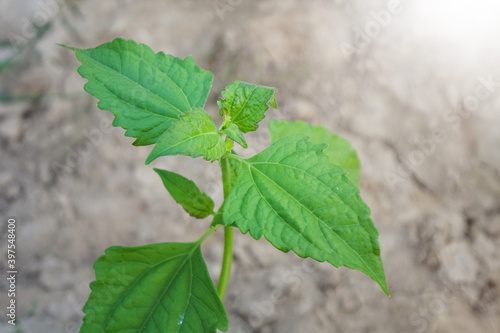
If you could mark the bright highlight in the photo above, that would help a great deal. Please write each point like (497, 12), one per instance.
(462, 20)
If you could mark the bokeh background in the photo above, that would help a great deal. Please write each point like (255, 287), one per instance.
(414, 85)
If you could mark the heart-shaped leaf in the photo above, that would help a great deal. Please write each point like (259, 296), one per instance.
(157, 288)
(146, 92)
(293, 196)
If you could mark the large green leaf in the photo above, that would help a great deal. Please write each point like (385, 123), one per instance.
(246, 104)
(299, 201)
(232, 170)
(194, 134)
(157, 288)
(145, 91)
(339, 150)
(187, 194)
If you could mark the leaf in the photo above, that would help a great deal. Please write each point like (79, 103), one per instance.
(235, 134)
(194, 134)
(246, 104)
(187, 194)
(292, 195)
(233, 167)
(146, 92)
(339, 150)
(154, 288)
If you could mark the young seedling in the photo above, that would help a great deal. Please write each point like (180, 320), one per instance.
(300, 193)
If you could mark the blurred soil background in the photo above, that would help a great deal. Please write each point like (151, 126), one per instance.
(418, 97)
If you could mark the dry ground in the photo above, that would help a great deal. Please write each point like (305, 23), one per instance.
(416, 105)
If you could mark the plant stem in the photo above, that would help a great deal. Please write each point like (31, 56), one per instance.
(208, 233)
(228, 234)
(226, 262)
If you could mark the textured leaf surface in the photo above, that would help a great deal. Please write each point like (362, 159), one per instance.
(194, 134)
(292, 195)
(246, 104)
(145, 91)
(339, 150)
(158, 288)
(235, 134)
(234, 167)
(187, 194)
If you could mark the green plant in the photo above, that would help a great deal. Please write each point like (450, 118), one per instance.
(300, 193)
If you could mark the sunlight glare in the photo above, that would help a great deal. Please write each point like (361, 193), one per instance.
(468, 21)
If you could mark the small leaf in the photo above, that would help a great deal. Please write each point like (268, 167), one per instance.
(292, 195)
(194, 134)
(246, 104)
(339, 150)
(272, 101)
(157, 288)
(146, 92)
(235, 134)
(187, 194)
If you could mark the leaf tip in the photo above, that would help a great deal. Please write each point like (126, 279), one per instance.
(272, 100)
(67, 47)
(150, 158)
(159, 172)
(385, 288)
(383, 284)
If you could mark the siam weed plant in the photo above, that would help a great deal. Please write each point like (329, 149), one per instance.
(300, 193)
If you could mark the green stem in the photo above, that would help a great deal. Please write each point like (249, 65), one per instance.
(208, 233)
(228, 234)
(226, 262)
